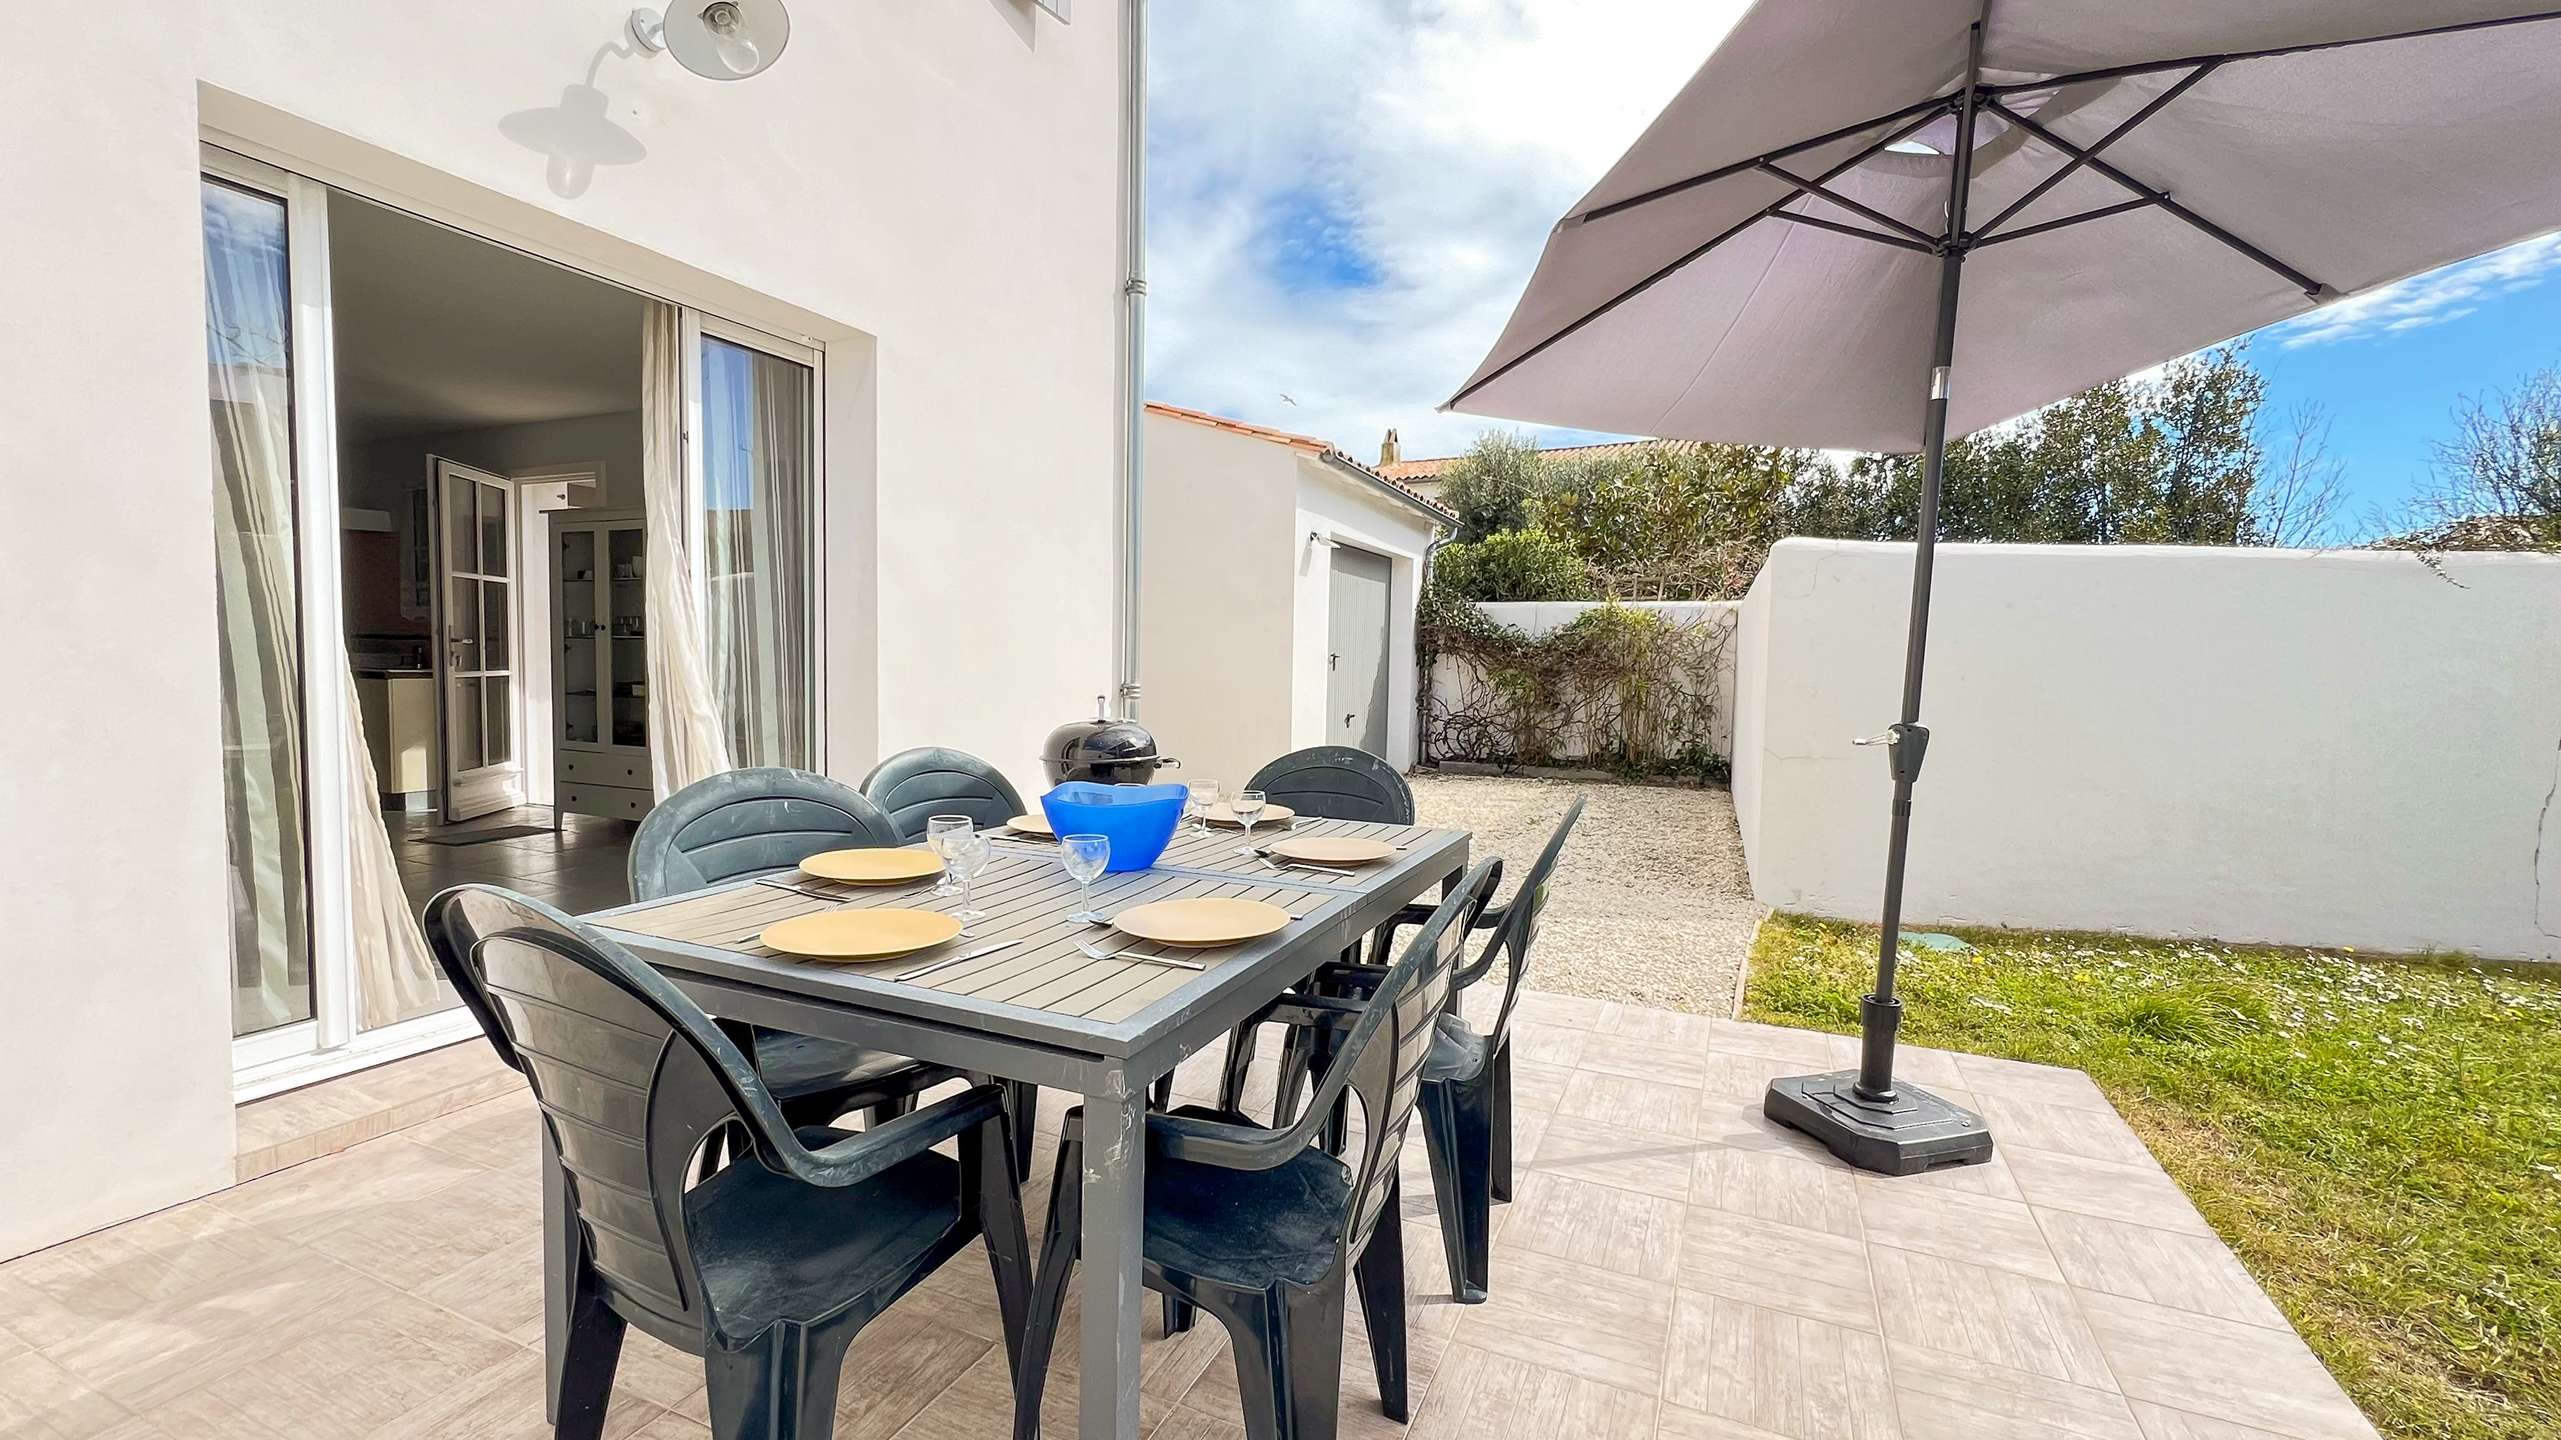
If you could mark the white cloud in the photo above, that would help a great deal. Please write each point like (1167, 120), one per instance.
(2432, 298)
(1347, 195)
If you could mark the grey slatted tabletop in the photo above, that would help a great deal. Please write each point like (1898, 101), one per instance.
(1040, 1010)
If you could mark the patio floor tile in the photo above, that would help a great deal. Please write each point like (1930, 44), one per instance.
(1954, 1225)
(2183, 1272)
(1996, 1316)
(1774, 1185)
(1797, 1377)
(1675, 1267)
(1946, 1396)
(2221, 1369)
(1809, 1272)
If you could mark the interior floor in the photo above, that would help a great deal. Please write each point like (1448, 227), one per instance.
(577, 868)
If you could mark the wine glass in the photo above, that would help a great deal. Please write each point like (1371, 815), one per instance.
(1084, 858)
(1199, 795)
(938, 833)
(969, 854)
(1248, 805)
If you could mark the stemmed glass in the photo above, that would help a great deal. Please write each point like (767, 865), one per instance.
(1199, 795)
(1084, 858)
(1248, 805)
(938, 833)
(969, 854)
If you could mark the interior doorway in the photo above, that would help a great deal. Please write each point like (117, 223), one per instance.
(481, 394)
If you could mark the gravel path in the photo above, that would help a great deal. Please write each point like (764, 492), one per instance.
(1650, 904)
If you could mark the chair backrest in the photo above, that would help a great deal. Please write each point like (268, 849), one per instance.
(741, 822)
(1389, 1044)
(629, 1074)
(914, 786)
(1512, 937)
(1337, 782)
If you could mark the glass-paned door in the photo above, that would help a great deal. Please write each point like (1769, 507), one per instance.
(476, 610)
(257, 604)
(757, 453)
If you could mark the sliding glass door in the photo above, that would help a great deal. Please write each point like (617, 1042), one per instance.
(756, 451)
(257, 603)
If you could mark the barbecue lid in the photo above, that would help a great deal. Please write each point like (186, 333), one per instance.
(1101, 740)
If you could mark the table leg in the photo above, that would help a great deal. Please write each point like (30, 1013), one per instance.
(1115, 1211)
(559, 1257)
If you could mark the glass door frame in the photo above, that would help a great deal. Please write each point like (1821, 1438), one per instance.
(312, 364)
(693, 326)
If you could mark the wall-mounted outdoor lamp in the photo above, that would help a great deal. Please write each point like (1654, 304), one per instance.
(718, 40)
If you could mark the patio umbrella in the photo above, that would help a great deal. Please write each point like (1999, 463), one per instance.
(1864, 222)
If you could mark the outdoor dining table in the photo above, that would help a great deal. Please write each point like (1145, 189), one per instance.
(1041, 1010)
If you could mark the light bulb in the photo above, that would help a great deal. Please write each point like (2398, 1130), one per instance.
(730, 40)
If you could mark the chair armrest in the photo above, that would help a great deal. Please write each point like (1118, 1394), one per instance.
(1215, 1142)
(857, 1158)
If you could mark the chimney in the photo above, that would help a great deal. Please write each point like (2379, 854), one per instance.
(1388, 454)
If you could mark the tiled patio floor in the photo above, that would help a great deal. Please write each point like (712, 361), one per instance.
(1673, 1267)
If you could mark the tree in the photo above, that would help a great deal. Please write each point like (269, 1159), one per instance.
(2301, 485)
(2504, 459)
(1674, 520)
(1492, 484)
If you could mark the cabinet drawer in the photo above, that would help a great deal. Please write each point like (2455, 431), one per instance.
(589, 767)
(608, 800)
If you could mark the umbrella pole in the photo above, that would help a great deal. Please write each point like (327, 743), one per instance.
(1860, 1115)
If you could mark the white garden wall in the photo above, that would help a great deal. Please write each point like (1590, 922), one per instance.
(1458, 683)
(2333, 748)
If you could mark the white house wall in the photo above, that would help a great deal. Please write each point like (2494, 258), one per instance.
(2344, 748)
(1216, 614)
(930, 190)
(1337, 507)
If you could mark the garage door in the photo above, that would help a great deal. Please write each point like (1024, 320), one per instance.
(1356, 679)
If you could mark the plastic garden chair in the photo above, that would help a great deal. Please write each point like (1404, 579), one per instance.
(1467, 1083)
(766, 1270)
(1337, 782)
(1264, 1229)
(914, 786)
(747, 822)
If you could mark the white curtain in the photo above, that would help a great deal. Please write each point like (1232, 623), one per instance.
(756, 443)
(256, 606)
(257, 610)
(687, 742)
(396, 977)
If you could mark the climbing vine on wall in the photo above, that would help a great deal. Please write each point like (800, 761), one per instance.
(1619, 688)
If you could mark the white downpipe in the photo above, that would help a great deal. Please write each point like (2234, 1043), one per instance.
(1133, 337)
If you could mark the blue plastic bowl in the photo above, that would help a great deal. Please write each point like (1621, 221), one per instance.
(1139, 820)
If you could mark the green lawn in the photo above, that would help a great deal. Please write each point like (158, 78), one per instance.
(2378, 1138)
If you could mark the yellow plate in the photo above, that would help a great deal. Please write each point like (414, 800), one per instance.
(1031, 825)
(1333, 850)
(1219, 814)
(872, 867)
(859, 934)
(1200, 922)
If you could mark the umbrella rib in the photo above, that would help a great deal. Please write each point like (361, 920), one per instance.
(1880, 217)
(2140, 202)
(1927, 110)
(1997, 93)
(2071, 166)
(1925, 114)
(1836, 227)
(2310, 287)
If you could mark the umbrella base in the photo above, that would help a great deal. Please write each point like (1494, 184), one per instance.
(1913, 1132)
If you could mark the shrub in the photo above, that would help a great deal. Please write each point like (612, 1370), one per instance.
(1512, 565)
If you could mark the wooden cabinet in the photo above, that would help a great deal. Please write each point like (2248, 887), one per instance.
(600, 671)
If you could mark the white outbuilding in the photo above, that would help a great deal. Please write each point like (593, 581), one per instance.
(1280, 581)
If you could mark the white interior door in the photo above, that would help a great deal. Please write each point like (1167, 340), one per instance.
(476, 622)
(1356, 674)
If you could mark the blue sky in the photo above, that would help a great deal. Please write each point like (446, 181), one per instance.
(1339, 226)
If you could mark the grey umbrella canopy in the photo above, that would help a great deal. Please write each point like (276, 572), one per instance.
(1866, 222)
(1698, 290)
